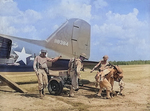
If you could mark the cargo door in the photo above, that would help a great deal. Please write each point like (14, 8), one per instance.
(5, 47)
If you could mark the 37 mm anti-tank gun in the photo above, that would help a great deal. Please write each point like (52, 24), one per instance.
(57, 83)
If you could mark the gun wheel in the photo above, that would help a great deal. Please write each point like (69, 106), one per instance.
(55, 87)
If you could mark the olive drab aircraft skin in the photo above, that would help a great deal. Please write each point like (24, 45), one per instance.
(70, 40)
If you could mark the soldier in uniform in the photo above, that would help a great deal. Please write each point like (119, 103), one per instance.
(41, 69)
(75, 66)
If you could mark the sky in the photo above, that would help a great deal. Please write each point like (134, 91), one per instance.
(119, 28)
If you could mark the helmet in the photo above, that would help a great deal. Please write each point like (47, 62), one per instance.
(105, 56)
(44, 51)
(83, 55)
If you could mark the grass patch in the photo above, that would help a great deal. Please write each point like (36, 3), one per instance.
(132, 73)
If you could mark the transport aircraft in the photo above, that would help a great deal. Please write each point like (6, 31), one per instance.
(70, 40)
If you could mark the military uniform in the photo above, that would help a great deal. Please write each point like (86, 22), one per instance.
(75, 66)
(40, 71)
(119, 78)
(40, 67)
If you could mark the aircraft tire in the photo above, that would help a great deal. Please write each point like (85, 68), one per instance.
(55, 87)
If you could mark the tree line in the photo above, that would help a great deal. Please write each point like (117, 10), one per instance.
(135, 62)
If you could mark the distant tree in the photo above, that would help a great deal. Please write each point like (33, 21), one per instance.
(134, 62)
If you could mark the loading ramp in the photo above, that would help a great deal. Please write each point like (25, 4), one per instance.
(12, 84)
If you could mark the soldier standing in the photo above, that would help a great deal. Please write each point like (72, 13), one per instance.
(41, 69)
(75, 66)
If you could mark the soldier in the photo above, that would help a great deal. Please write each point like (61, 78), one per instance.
(41, 69)
(75, 66)
(104, 69)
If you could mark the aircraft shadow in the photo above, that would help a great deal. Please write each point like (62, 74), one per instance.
(6, 90)
(103, 95)
(91, 87)
(31, 95)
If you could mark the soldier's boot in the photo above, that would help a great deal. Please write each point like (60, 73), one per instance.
(40, 94)
(43, 93)
(108, 94)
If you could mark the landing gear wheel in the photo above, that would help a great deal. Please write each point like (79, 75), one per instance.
(55, 87)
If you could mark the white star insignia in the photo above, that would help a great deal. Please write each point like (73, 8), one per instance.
(22, 55)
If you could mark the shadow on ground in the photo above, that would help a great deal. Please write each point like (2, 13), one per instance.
(31, 95)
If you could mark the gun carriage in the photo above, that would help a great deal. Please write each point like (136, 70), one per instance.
(57, 83)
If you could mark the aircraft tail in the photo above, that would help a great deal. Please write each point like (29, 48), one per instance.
(71, 39)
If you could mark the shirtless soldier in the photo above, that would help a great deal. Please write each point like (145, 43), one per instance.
(103, 69)
(40, 67)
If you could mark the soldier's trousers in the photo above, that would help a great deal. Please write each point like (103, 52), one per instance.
(74, 78)
(42, 79)
(121, 84)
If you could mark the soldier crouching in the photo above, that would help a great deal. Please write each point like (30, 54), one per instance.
(41, 69)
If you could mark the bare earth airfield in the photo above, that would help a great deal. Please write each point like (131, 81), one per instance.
(137, 93)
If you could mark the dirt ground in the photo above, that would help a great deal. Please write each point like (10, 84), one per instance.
(136, 94)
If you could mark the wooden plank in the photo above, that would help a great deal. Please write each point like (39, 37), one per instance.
(12, 84)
